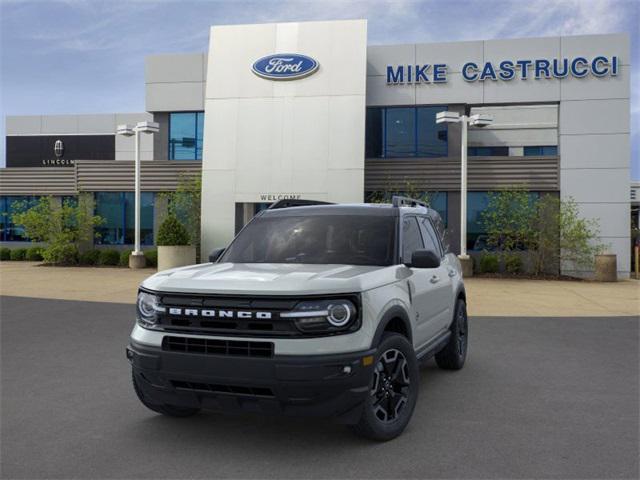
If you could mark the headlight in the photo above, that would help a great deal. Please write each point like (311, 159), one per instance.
(148, 307)
(324, 316)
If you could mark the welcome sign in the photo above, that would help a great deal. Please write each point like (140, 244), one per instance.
(506, 70)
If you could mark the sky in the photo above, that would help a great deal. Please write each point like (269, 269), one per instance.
(87, 56)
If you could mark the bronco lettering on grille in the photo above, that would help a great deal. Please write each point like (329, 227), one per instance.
(241, 314)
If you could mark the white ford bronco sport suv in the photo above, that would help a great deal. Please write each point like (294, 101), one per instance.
(313, 309)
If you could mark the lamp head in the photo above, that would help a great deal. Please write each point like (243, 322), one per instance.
(125, 130)
(147, 127)
(480, 120)
(447, 117)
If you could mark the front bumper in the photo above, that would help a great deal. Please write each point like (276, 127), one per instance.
(319, 385)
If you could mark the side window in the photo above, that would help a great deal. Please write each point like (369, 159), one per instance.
(411, 239)
(430, 239)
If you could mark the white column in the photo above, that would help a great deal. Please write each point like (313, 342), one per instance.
(463, 189)
(136, 248)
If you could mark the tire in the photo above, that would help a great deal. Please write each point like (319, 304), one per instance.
(454, 354)
(169, 410)
(393, 392)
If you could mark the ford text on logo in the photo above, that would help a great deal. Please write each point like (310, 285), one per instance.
(285, 66)
(194, 312)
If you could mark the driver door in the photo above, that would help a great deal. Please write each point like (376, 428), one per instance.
(423, 288)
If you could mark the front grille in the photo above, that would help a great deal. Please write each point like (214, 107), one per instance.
(261, 327)
(229, 389)
(209, 346)
(243, 316)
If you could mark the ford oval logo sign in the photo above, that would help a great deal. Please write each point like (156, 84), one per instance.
(285, 66)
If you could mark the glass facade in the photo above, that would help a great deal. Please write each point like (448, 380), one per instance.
(405, 132)
(544, 151)
(10, 232)
(185, 135)
(488, 151)
(117, 211)
(478, 202)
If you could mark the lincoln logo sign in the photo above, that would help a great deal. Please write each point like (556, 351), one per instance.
(505, 70)
(58, 148)
(285, 66)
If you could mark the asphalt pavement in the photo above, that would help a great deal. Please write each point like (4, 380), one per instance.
(539, 397)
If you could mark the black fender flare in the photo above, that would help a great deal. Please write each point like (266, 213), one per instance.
(396, 311)
(460, 294)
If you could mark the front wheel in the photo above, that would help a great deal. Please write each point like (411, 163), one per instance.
(393, 390)
(454, 354)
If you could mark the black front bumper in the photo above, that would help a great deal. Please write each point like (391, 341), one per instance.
(322, 385)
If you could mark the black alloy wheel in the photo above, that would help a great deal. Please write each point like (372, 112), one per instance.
(390, 389)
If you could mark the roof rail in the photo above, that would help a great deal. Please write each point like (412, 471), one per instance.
(296, 202)
(399, 201)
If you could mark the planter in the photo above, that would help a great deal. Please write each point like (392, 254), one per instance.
(176, 256)
(606, 268)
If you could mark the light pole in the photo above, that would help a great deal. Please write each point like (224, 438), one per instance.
(478, 120)
(136, 259)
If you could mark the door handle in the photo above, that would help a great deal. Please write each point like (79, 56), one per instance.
(434, 279)
(452, 272)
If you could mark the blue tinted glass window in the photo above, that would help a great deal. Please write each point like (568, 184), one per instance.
(185, 135)
(551, 150)
(9, 205)
(548, 150)
(405, 132)
(400, 138)
(117, 209)
(432, 137)
(488, 151)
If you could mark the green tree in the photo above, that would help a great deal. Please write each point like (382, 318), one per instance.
(579, 242)
(185, 204)
(62, 227)
(172, 232)
(508, 219)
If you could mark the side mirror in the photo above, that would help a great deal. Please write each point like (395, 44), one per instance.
(216, 254)
(424, 259)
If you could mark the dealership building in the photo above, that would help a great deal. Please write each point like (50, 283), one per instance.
(309, 110)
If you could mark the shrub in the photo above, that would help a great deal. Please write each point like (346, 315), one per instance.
(151, 257)
(109, 257)
(5, 253)
(90, 257)
(124, 258)
(61, 227)
(489, 263)
(172, 232)
(18, 254)
(513, 263)
(34, 254)
(61, 254)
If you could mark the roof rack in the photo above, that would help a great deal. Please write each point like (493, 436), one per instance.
(296, 202)
(399, 201)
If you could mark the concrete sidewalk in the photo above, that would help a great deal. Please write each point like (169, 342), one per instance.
(486, 297)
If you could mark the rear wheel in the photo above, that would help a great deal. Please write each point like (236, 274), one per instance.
(393, 390)
(169, 410)
(454, 354)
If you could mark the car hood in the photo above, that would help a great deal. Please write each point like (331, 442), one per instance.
(271, 278)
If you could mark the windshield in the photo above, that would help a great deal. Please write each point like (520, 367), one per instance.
(341, 239)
